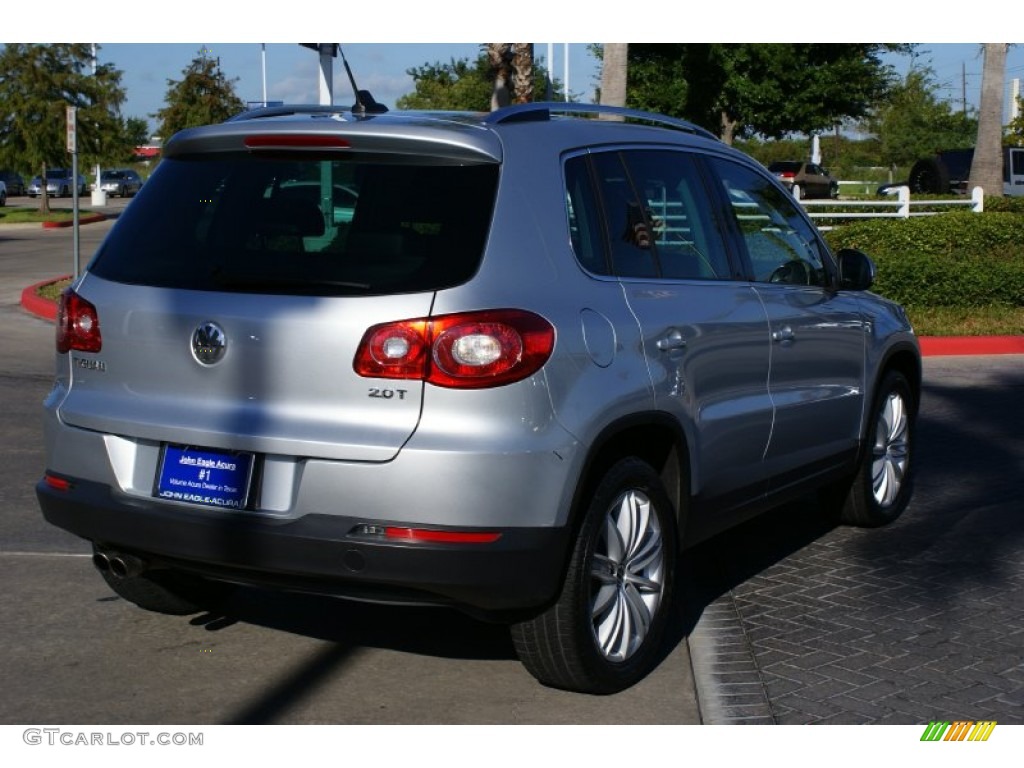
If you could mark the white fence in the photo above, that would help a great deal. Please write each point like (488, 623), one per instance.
(903, 207)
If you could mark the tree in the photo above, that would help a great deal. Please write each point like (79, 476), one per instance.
(987, 163)
(913, 123)
(614, 74)
(460, 85)
(767, 89)
(522, 73)
(203, 96)
(1015, 130)
(136, 131)
(499, 56)
(37, 83)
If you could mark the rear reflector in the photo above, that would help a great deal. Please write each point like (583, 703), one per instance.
(57, 483)
(442, 537)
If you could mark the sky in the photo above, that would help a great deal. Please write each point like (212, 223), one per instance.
(149, 43)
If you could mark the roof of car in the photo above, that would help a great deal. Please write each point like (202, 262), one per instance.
(467, 136)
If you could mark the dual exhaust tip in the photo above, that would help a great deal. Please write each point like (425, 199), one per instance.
(118, 564)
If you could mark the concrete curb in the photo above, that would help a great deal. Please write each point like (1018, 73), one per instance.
(931, 346)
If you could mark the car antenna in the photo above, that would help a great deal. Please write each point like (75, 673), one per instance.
(364, 100)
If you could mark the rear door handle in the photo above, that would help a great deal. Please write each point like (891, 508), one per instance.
(674, 340)
(785, 333)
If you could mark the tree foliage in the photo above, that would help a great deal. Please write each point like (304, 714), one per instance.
(913, 123)
(1015, 130)
(37, 83)
(203, 96)
(462, 84)
(766, 89)
(136, 131)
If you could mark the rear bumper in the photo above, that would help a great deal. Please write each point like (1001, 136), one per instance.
(325, 554)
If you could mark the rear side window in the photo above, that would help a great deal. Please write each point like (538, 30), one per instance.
(319, 227)
(643, 214)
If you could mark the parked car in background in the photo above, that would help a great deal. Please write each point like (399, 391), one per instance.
(3, 194)
(14, 182)
(60, 182)
(813, 180)
(513, 363)
(120, 182)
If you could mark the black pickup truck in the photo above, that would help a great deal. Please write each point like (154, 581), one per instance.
(949, 171)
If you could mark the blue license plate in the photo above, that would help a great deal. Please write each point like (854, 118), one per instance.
(201, 476)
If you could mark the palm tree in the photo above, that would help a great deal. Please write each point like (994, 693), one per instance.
(987, 165)
(499, 55)
(614, 68)
(522, 72)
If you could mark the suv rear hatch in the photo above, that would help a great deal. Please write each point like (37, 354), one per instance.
(233, 293)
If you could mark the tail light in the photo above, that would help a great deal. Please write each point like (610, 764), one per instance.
(469, 350)
(78, 325)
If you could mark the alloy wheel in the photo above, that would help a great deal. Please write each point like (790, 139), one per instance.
(628, 576)
(890, 453)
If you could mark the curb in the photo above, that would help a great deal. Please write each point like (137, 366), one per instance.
(34, 304)
(935, 346)
(931, 346)
(90, 219)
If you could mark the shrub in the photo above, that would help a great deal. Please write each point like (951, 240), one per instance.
(956, 259)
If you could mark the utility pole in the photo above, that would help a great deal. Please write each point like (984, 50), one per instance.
(263, 57)
(71, 116)
(99, 197)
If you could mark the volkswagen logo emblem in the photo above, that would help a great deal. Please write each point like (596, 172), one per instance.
(209, 343)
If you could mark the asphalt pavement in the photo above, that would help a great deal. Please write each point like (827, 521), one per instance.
(787, 619)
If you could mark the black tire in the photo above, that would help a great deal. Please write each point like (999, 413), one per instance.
(588, 641)
(929, 177)
(169, 592)
(3, 199)
(882, 487)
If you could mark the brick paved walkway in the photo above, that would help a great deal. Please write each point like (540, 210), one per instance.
(924, 620)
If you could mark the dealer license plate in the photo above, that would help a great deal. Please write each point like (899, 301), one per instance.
(202, 476)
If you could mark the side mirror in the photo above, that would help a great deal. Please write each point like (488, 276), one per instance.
(856, 270)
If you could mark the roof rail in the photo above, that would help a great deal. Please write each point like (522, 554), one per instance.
(542, 110)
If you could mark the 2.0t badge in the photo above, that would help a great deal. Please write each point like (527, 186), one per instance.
(209, 343)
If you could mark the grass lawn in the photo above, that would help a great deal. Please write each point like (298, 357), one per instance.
(979, 321)
(33, 216)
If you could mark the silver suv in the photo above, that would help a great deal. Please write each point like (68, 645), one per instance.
(514, 362)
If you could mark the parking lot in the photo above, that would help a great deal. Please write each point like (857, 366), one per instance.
(787, 619)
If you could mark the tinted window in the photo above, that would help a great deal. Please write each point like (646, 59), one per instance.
(781, 245)
(302, 226)
(656, 220)
(684, 236)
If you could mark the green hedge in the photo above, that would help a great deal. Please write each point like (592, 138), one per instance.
(956, 259)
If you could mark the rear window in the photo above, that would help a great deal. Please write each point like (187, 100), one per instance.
(318, 227)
